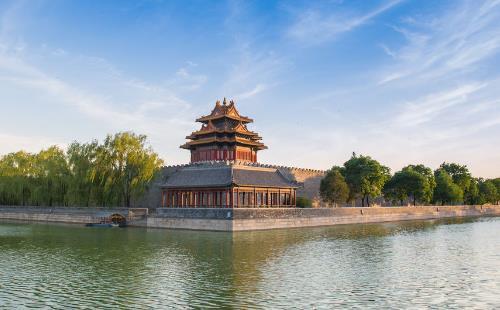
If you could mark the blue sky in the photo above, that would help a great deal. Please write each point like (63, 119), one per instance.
(402, 81)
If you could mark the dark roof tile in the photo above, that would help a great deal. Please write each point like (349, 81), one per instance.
(219, 176)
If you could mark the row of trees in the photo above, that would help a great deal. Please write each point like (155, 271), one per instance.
(112, 173)
(363, 178)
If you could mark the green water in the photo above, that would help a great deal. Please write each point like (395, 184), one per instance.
(453, 264)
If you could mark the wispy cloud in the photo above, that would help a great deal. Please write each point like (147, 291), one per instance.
(252, 92)
(444, 45)
(256, 66)
(431, 106)
(316, 26)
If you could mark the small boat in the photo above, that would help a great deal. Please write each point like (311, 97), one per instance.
(100, 225)
(105, 225)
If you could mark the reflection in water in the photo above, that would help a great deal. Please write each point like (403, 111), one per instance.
(444, 263)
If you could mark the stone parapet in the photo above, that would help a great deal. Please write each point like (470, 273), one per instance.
(242, 219)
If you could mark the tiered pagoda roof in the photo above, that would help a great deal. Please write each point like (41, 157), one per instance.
(224, 125)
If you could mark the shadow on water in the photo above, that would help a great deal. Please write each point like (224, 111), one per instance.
(67, 265)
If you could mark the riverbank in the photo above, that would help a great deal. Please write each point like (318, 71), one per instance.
(244, 219)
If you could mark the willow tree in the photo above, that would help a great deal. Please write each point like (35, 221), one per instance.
(133, 164)
(52, 173)
(81, 160)
(16, 178)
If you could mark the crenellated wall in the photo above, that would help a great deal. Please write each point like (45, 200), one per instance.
(308, 181)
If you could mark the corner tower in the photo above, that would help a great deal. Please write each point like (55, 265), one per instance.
(224, 136)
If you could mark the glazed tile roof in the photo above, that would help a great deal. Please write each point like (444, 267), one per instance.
(224, 110)
(226, 175)
(224, 125)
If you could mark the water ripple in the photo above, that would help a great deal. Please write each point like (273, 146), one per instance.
(437, 264)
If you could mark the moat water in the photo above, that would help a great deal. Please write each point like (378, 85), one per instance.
(438, 264)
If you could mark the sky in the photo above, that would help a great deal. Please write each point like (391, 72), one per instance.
(403, 81)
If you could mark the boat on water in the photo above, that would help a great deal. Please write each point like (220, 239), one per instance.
(103, 225)
(115, 220)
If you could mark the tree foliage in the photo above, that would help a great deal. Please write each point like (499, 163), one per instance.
(87, 174)
(463, 179)
(304, 202)
(333, 187)
(446, 191)
(410, 184)
(488, 192)
(365, 177)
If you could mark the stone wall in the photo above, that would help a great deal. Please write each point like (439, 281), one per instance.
(58, 214)
(308, 181)
(259, 219)
(242, 219)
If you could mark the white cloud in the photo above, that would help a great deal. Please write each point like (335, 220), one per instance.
(426, 109)
(315, 26)
(252, 92)
(449, 44)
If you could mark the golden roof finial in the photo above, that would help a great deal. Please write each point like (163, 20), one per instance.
(224, 102)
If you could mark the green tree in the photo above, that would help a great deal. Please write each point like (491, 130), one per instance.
(446, 191)
(462, 177)
(365, 177)
(429, 176)
(408, 184)
(81, 160)
(133, 165)
(88, 174)
(497, 185)
(488, 192)
(333, 188)
(16, 178)
(303, 202)
(52, 172)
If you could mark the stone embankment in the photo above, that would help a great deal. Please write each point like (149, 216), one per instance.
(243, 219)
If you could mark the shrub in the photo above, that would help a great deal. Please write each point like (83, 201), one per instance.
(303, 202)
